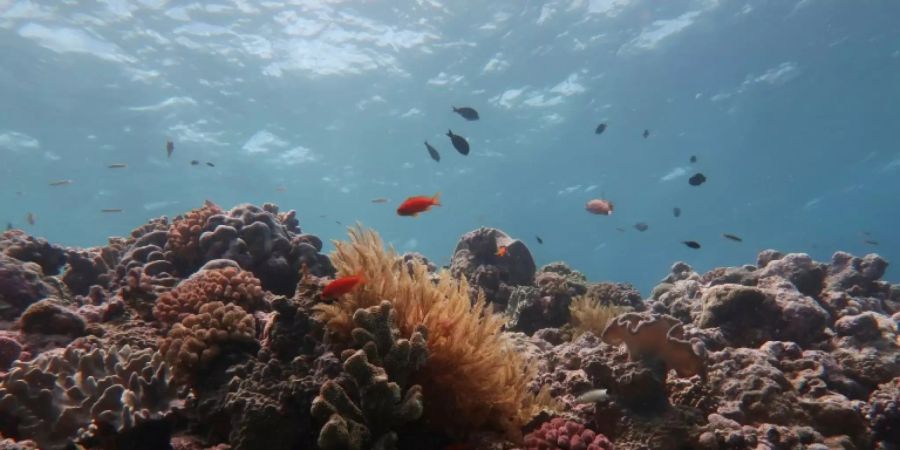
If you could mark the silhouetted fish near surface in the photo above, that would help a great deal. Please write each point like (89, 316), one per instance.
(870, 242)
(459, 143)
(646, 134)
(433, 152)
(194, 162)
(379, 200)
(170, 147)
(538, 238)
(31, 218)
(60, 182)
(697, 179)
(641, 226)
(280, 189)
(466, 112)
(620, 229)
(117, 166)
(600, 128)
(732, 237)
(693, 158)
(111, 210)
(9, 226)
(692, 244)
(210, 164)
(676, 211)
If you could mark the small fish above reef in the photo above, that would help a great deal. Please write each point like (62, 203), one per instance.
(117, 166)
(342, 285)
(693, 158)
(620, 229)
(280, 189)
(676, 211)
(600, 128)
(30, 218)
(501, 251)
(60, 182)
(692, 244)
(599, 206)
(641, 226)
(210, 164)
(697, 179)
(593, 396)
(466, 112)
(733, 237)
(459, 143)
(111, 210)
(433, 152)
(538, 238)
(646, 134)
(170, 147)
(870, 242)
(9, 226)
(379, 200)
(412, 206)
(194, 162)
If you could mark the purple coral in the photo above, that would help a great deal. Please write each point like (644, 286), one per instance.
(562, 434)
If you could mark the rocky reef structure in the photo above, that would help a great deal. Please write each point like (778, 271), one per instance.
(210, 331)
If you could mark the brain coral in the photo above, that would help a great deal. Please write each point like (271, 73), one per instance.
(219, 281)
(66, 393)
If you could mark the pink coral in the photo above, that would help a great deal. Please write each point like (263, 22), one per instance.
(559, 433)
(228, 284)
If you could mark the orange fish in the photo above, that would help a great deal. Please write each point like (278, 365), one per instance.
(599, 206)
(343, 285)
(414, 205)
(501, 251)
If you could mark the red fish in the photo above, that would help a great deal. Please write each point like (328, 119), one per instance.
(501, 251)
(415, 205)
(343, 285)
(599, 206)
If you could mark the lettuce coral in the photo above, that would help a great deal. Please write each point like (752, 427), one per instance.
(473, 379)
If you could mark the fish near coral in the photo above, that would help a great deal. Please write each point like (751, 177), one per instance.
(599, 206)
(343, 285)
(501, 251)
(412, 206)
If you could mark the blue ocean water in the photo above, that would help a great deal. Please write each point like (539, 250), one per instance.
(791, 108)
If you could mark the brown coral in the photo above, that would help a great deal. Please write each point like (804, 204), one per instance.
(192, 345)
(655, 335)
(184, 236)
(228, 284)
(591, 315)
(473, 377)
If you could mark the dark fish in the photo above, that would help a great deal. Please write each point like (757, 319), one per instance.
(111, 210)
(620, 229)
(194, 162)
(210, 164)
(170, 147)
(870, 242)
(732, 237)
(459, 142)
(676, 211)
(600, 128)
(697, 179)
(117, 166)
(646, 134)
(60, 182)
(379, 200)
(280, 189)
(540, 241)
(433, 152)
(692, 244)
(31, 218)
(9, 226)
(693, 158)
(641, 226)
(466, 112)
(338, 222)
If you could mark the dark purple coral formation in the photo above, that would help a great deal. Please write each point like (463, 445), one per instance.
(478, 258)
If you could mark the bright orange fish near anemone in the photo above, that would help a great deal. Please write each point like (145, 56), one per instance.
(501, 251)
(412, 206)
(343, 285)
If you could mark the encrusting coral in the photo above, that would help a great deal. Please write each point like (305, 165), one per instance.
(183, 241)
(361, 407)
(473, 378)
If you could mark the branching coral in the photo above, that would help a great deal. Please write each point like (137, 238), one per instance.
(655, 336)
(473, 378)
(220, 281)
(591, 315)
(184, 236)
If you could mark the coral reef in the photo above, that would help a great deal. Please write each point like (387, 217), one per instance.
(590, 315)
(561, 434)
(17, 244)
(21, 284)
(477, 259)
(546, 303)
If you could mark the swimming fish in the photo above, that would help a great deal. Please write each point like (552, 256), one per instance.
(697, 179)
(60, 182)
(280, 189)
(459, 143)
(210, 164)
(693, 158)
(691, 244)
(641, 226)
(676, 211)
(379, 200)
(593, 396)
(117, 166)
(599, 206)
(9, 226)
(540, 241)
(733, 237)
(433, 152)
(170, 147)
(466, 112)
(342, 285)
(31, 218)
(194, 162)
(501, 251)
(111, 210)
(870, 242)
(600, 128)
(646, 134)
(620, 229)
(412, 206)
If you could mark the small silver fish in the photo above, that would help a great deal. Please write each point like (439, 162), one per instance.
(593, 396)
(117, 166)
(111, 210)
(60, 182)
